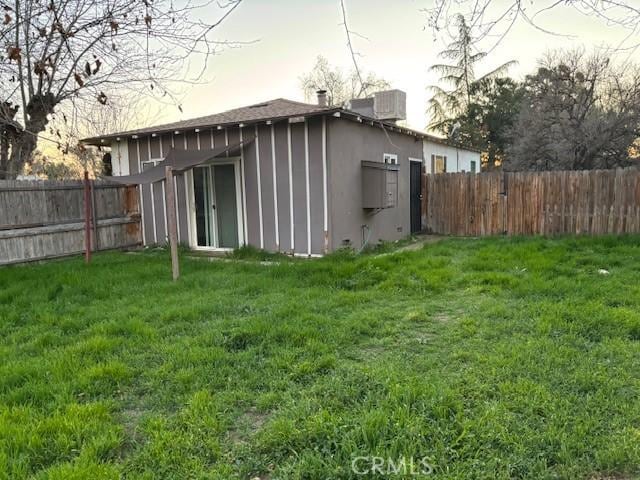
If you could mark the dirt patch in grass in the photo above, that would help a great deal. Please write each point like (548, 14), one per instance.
(422, 240)
(247, 425)
(130, 420)
(371, 351)
(442, 317)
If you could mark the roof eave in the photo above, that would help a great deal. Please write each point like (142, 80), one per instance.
(104, 140)
(406, 130)
(336, 111)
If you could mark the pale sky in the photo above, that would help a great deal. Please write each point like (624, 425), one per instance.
(399, 47)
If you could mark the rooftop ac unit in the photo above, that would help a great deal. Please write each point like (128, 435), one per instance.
(390, 105)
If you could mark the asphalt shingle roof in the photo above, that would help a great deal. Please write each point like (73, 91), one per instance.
(272, 109)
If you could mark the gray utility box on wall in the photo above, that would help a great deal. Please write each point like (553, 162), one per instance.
(379, 185)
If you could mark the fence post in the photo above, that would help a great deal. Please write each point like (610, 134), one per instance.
(423, 201)
(172, 221)
(94, 216)
(87, 218)
(503, 194)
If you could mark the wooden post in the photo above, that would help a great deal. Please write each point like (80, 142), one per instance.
(87, 218)
(172, 221)
(94, 216)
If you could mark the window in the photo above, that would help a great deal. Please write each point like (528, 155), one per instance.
(473, 166)
(390, 159)
(439, 163)
(107, 165)
(147, 164)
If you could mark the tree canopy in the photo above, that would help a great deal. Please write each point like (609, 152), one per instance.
(55, 55)
(579, 111)
(576, 111)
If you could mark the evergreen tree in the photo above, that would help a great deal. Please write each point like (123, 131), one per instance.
(460, 75)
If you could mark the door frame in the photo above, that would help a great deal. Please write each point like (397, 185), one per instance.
(193, 235)
(421, 162)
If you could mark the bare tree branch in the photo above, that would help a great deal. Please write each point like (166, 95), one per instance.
(493, 18)
(55, 53)
(348, 33)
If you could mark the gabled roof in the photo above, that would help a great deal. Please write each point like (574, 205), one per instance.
(270, 110)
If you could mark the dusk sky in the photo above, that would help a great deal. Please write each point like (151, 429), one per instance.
(398, 46)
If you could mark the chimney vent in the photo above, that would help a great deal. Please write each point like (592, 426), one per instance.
(322, 98)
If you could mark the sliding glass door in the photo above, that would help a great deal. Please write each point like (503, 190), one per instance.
(216, 206)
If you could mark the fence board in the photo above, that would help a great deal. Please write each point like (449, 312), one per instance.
(593, 202)
(45, 219)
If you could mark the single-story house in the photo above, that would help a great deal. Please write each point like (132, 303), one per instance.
(304, 179)
(443, 158)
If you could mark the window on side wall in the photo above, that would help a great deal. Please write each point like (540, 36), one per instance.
(147, 164)
(439, 163)
(473, 166)
(390, 158)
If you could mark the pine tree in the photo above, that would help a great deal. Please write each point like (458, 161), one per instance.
(446, 104)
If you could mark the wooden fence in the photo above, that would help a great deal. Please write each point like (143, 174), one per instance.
(45, 219)
(590, 202)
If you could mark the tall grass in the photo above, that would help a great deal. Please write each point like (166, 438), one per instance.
(494, 358)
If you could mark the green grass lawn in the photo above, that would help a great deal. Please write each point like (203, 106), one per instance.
(494, 358)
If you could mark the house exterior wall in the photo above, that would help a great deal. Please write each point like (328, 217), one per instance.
(349, 143)
(301, 182)
(456, 162)
(282, 180)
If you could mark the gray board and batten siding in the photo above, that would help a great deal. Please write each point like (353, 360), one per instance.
(284, 178)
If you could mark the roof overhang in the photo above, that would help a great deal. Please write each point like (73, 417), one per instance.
(338, 112)
(105, 140)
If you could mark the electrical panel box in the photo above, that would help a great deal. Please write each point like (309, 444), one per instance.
(379, 185)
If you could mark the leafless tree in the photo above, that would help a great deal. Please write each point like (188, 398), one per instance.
(340, 86)
(54, 52)
(494, 19)
(579, 111)
(64, 154)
